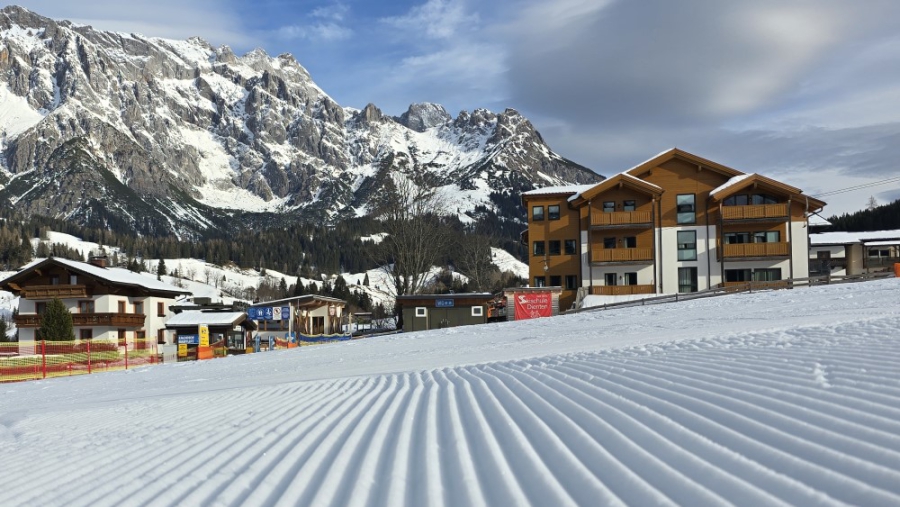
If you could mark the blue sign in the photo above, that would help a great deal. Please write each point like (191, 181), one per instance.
(443, 303)
(189, 339)
(268, 313)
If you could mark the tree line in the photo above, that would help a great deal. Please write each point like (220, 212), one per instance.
(875, 218)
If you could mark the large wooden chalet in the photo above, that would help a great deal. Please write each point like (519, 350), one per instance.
(675, 223)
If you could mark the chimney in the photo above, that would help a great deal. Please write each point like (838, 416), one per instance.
(98, 260)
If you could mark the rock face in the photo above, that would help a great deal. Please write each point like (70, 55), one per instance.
(177, 135)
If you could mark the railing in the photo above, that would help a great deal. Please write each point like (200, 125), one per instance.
(89, 319)
(881, 262)
(622, 290)
(622, 255)
(601, 219)
(755, 211)
(54, 291)
(741, 287)
(756, 250)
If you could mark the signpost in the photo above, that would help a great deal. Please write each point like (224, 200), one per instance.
(204, 335)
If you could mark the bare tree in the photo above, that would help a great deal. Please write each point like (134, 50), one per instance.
(872, 203)
(473, 259)
(411, 215)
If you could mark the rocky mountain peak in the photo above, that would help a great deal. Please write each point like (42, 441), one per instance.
(423, 116)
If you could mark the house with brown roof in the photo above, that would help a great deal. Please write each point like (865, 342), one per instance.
(675, 223)
(110, 304)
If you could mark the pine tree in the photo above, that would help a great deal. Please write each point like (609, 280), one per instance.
(4, 328)
(160, 269)
(366, 280)
(56, 322)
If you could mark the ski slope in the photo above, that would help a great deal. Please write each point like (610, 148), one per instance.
(771, 398)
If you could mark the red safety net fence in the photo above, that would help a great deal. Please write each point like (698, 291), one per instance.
(46, 359)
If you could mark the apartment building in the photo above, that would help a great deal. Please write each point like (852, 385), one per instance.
(675, 223)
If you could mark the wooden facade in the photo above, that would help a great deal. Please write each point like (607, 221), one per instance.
(674, 223)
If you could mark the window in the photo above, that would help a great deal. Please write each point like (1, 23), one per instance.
(139, 308)
(54, 279)
(609, 206)
(554, 247)
(736, 200)
(734, 238)
(826, 255)
(421, 311)
(555, 281)
(538, 249)
(609, 278)
(160, 336)
(630, 278)
(764, 199)
(687, 245)
(687, 280)
(160, 309)
(767, 275)
(86, 334)
(122, 334)
(553, 212)
(630, 241)
(570, 247)
(537, 213)
(477, 311)
(73, 279)
(609, 242)
(628, 205)
(121, 306)
(571, 282)
(85, 307)
(767, 237)
(684, 204)
(737, 275)
(141, 335)
(540, 281)
(40, 308)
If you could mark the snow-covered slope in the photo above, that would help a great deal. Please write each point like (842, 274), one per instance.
(771, 398)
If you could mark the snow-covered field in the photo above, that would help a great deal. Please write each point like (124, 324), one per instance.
(771, 398)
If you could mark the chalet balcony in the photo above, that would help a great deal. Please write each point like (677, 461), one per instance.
(622, 290)
(756, 250)
(755, 212)
(622, 255)
(621, 219)
(89, 319)
(769, 285)
(54, 291)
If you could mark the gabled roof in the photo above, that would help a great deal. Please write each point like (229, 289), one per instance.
(112, 276)
(619, 180)
(565, 190)
(743, 181)
(675, 153)
(305, 300)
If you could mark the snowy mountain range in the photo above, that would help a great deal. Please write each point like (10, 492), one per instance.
(162, 136)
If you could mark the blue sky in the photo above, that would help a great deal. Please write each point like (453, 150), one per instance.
(806, 91)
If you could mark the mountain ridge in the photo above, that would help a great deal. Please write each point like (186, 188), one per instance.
(201, 137)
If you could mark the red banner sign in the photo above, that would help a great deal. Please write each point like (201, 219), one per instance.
(531, 305)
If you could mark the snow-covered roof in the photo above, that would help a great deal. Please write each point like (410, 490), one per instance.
(816, 220)
(734, 180)
(197, 318)
(113, 275)
(565, 189)
(623, 175)
(883, 243)
(846, 238)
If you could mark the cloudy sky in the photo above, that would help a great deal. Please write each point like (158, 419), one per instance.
(806, 91)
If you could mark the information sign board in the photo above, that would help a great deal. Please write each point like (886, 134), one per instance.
(532, 305)
(188, 339)
(443, 303)
(182, 350)
(204, 335)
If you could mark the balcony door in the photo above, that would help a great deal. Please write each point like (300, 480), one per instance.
(687, 280)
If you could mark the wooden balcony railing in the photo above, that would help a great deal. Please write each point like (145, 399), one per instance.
(622, 254)
(756, 250)
(54, 291)
(89, 319)
(619, 218)
(739, 286)
(755, 211)
(622, 290)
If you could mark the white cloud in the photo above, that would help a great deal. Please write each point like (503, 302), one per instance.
(436, 19)
(326, 32)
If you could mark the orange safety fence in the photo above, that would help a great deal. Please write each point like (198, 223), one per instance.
(34, 360)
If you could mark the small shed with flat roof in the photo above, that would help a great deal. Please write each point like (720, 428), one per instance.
(435, 311)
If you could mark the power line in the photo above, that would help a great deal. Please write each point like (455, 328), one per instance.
(895, 179)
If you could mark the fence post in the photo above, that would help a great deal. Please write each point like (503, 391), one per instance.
(126, 353)
(44, 357)
(89, 355)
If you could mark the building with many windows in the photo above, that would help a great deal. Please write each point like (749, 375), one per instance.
(109, 304)
(675, 223)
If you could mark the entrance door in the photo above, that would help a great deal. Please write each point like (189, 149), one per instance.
(687, 280)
